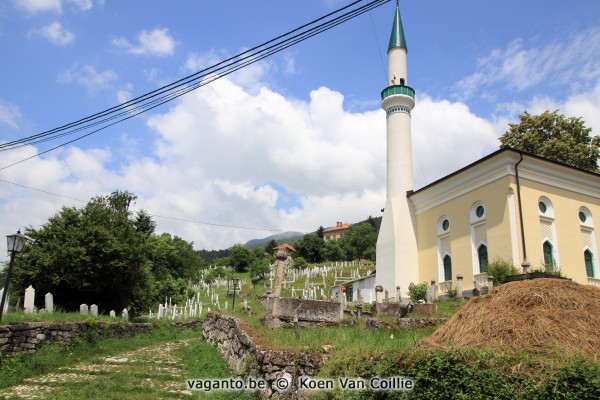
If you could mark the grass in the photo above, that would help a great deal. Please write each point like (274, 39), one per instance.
(155, 365)
(20, 317)
(14, 370)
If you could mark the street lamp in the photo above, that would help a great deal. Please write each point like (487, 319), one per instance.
(14, 245)
(235, 282)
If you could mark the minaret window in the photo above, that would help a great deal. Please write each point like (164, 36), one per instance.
(402, 81)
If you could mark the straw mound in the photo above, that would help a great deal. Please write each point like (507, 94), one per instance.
(542, 315)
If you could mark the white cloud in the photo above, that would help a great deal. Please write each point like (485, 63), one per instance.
(38, 6)
(157, 42)
(9, 114)
(54, 33)
(124, 95)
(83, 5)
(574, 62)
(222, 153)
(439, 129)
(252, 77)
(88, 76)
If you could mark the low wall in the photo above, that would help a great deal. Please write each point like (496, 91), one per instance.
(308, 310)
(29, 337)
(250, 359)
(390, 309)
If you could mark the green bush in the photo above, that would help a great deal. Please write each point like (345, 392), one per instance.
(469, 374)
(500, 269)
(418, 292)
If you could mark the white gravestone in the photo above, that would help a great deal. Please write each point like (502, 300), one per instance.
(125, 314)
(113, 313)
(83, 309)
(49, 302)
(29, 299)
(94, 310)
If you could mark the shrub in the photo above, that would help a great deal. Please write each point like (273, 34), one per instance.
(500, 269)
(418, 292)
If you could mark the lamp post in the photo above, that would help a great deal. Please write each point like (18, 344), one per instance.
(14, 245)
(234, 281)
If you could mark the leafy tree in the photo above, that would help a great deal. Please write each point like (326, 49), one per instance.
(90, 255)
(259, 270)
(332, 251)
(310, 247)
(552, 135)
(321, 232)
(173, 256)
(358, 240)
(143, 223)
(241, 258)
(300, 263)
(271, 244)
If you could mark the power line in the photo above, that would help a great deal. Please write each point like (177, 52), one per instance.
(183, 86)
(152, 215)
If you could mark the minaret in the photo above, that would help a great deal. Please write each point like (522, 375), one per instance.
(397, 258)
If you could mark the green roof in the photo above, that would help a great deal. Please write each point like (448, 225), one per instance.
(397, 39)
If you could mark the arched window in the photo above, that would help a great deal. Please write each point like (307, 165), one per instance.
(482, 255)
(548, 254)
(589, 263)
(548, 233)
(447, 267)
(479, 238)
(444, 249)
(588, 242)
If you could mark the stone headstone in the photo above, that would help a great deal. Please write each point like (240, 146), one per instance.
(29, 299)
(125, 314)
(475, 292)
(459, 285)
(430, 290)
(398, 294)
(281, 256)
(94, 310)
(6, 302)
(387, 296)
(378, 294)
(83, 309)
(490, 284)
(161, 312)
(49, 302)
(113, 313)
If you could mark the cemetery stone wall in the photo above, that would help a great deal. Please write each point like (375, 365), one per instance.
(29, 337)
(248, 358)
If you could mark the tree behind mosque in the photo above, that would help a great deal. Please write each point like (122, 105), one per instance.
(556, 137)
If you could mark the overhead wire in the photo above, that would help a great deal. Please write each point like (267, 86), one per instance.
(185, 85)
(152, 215)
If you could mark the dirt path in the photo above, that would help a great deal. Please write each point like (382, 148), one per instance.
(149, 372)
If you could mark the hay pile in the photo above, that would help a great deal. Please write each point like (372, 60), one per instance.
(539, 315)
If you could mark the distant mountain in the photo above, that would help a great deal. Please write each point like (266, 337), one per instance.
(280, 237)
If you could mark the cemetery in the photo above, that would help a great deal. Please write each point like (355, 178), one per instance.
(296, 322)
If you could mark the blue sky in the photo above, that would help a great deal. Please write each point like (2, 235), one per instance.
(291, 143)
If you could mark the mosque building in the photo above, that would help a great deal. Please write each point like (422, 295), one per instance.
(509, 205)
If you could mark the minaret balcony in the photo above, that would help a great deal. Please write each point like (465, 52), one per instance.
(397, 89)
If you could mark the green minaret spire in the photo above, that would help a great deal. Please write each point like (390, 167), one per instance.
(397, 39)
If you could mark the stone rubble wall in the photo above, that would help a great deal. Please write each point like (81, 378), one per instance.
(250, 359)
(29, 337)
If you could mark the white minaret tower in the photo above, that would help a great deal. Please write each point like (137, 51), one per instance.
(397, 257)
